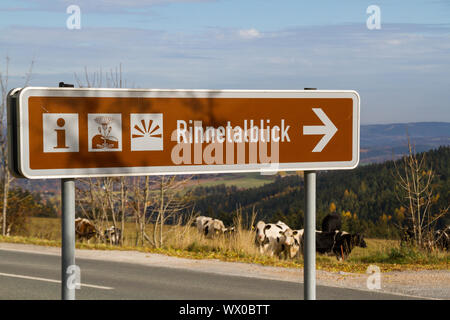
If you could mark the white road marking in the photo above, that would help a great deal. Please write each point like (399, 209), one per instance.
(51, 280)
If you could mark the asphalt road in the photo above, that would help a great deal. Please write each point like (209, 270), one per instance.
(26, 275)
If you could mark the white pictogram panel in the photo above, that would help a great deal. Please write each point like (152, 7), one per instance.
(146, 131)
(104, 132)
(60, 132)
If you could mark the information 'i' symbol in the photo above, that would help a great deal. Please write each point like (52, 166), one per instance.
(60, 135)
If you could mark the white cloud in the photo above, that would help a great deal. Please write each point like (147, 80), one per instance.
(249, 34)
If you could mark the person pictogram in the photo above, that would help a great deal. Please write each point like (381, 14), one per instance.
(104, 132)
(104, 140)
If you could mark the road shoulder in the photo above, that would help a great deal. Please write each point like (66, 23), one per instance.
(433, 284)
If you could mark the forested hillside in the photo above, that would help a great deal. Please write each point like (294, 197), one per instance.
(365, 197)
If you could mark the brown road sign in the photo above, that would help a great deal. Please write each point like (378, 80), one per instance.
(67, 132)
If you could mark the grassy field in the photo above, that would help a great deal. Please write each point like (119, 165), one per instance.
(240, 180)
(185, 241)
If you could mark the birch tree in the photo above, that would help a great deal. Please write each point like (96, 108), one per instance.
(168, 203)
(414, 190)
(6, 178)
(107, 196)
(154, 202)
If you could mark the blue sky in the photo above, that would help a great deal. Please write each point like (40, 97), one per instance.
(401, 71)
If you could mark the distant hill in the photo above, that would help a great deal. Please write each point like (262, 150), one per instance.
(381, 142)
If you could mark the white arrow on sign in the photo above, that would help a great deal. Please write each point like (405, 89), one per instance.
(328, 130)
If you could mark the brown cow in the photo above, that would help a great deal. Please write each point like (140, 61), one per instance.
(84, 229)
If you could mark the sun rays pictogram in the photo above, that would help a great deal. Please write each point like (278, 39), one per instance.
(152, 130)
(146, 131)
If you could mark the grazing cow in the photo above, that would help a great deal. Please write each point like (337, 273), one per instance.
(200, 222)
(289, 243)
(331, 222)
(282, 224)
(214, 227)
(260, 236)
(113, 235)
(442, 238)
(346, 242)
(267, 236)
(84, 229)
(230, 231)
(298, 247)
(407, 235)
(338, 243)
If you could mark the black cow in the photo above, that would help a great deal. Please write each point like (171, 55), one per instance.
(407, 235)
(346, 242)
(338, 243)
(331, 222)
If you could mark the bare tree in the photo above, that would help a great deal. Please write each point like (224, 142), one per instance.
(117, 195)
(415, 191)
(145, 197)
(6, 177)
(167, 204)
(108, 196)
(93, 203)
(95, 79)
(154, 203)
(139, 203)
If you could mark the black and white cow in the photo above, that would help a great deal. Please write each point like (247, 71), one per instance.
(260, 236)
(229, 232)
(339, 243)
(200, 222)
(331, 222)
(267, 234)
(112, 235)
(211, 227)
(289, 243)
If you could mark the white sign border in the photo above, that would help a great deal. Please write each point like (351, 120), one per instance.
(23, 123)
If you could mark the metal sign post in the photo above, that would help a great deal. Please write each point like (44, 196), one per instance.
(68, 238)
(67, 233)
(309, 271)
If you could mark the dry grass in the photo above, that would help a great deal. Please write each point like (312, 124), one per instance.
(185, 241)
